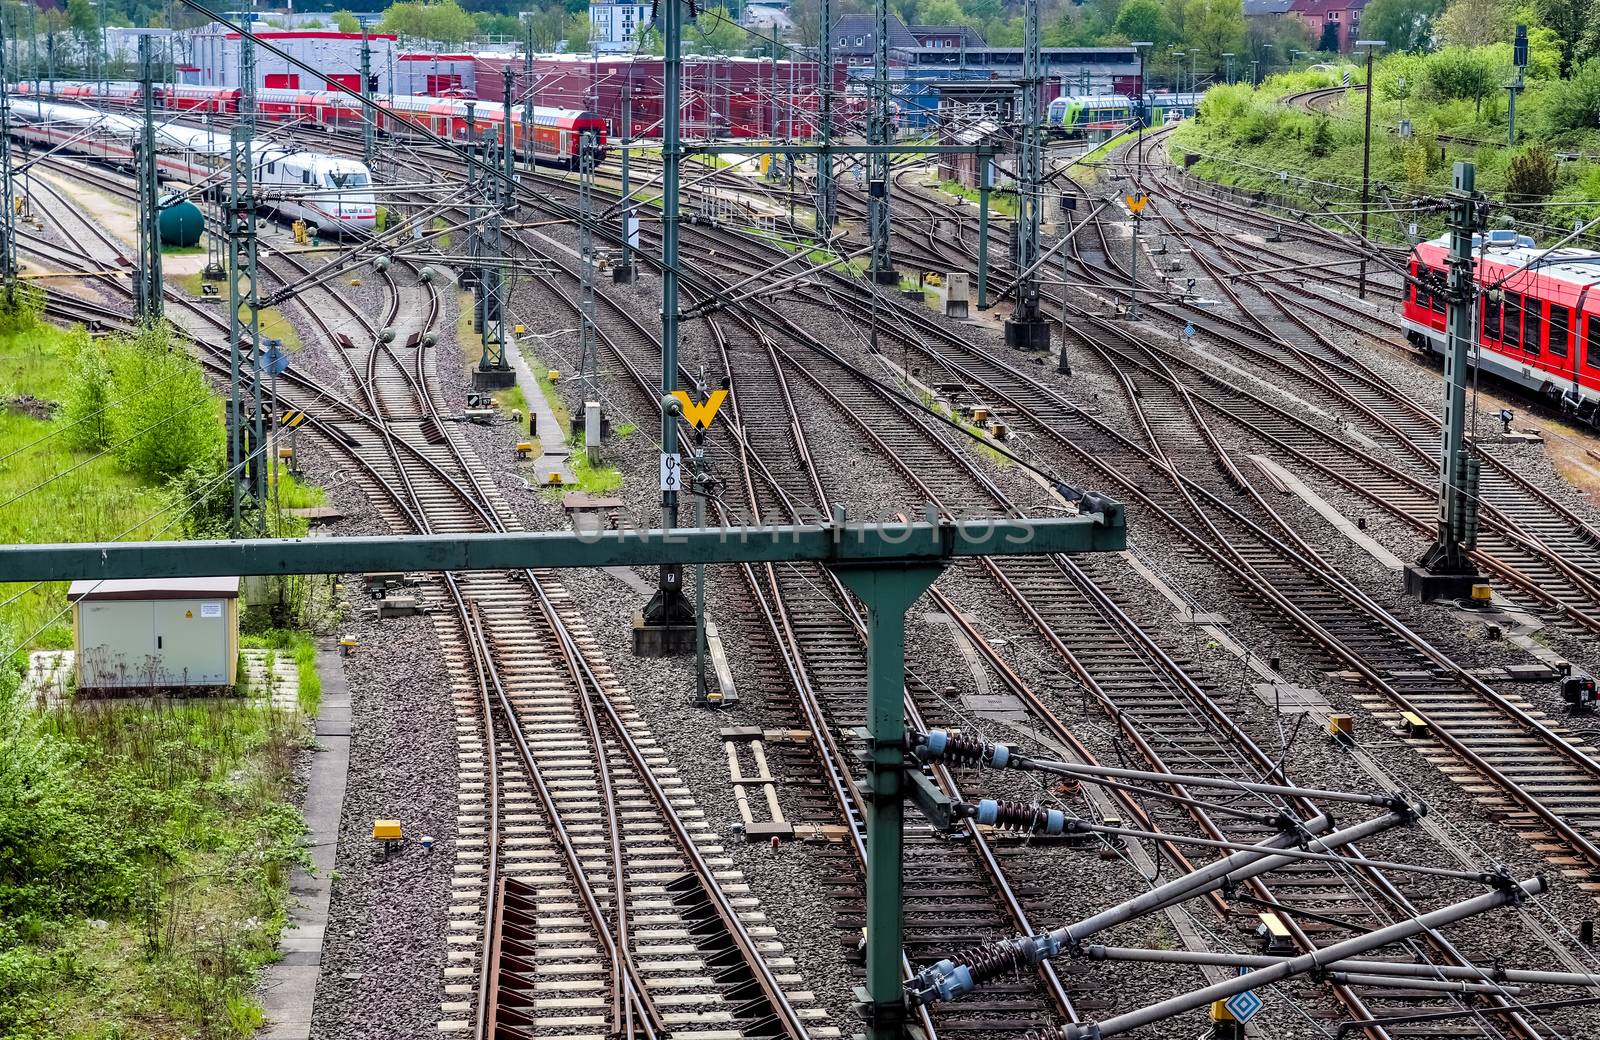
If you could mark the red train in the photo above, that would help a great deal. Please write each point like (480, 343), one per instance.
(1541, 327)
(557, 133)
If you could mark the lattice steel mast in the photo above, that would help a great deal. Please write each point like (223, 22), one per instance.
(1028, 329)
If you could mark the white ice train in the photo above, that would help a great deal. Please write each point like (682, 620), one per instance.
(333, 193)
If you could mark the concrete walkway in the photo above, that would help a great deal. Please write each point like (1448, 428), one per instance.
(552, 436)
(288, 988)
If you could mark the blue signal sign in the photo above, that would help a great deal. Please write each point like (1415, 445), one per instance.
(1243, 1006)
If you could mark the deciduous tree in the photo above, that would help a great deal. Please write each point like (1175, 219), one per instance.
(1407, 25)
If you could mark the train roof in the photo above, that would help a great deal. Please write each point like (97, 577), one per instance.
(73, 115)
(1092, 99)
(1578, 267)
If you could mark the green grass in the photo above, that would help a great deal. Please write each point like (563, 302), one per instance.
(625, 430)
(1000, 200)
(594, 480)
(169, 250)
(297, 644)
(442, 242)
(1254, 141)
(96, 500)
(147, 865)
(511, 398)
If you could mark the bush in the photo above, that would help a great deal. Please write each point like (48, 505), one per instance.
(1532, 174)
(1321, 143)
(1460, 73)
(23, 311)
(147, 399)
(1574, 104)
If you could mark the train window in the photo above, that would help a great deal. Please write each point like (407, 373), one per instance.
(272, 167)
(1560, 322)
(1491, 318)
(1533, 326)
(1511, 324)
(1591, 345)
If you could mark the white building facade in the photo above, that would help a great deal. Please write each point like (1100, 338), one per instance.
(615, 26)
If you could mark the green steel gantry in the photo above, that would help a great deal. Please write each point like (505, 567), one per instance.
(886, 565)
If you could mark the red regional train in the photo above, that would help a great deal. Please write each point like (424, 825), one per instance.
(557, 133)
(1541, 327)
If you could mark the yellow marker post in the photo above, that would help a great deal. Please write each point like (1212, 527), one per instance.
(700, 414)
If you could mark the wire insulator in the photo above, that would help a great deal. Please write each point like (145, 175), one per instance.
(1020, 816)
(962, 750)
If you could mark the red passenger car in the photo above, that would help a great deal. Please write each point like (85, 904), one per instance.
(1538, 318)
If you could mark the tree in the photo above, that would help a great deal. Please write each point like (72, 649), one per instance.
(942, 12)
(346, 22)
(1573, 22)
(549, 25)
(83, 17)
(578, 28)
(438, 21)
(1475, 23)
(1407, 25)
(1145, 20)
(1212, 27)
(1329, 42)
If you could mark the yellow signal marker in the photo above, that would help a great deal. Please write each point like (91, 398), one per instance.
(1137, 202)
(699, 415)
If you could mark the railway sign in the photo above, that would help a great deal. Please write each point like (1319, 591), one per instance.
(291, 419)
(1137, 202)
(700, 413)
(1243, 1006)
(671, 471)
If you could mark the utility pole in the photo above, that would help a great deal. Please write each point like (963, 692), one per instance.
(1446, 569)
(528, 143)
(985, 160)
(243, 322)
(147, 285)
(588, 359)
(488, 195)
(1519, 58)
(1366, 160)
(247, 82)
(1143, 114)
(825, 125)
(508, 142)
(879, 132)
(625, 271)
(666, 625)
(369, 130)
(8, 220)
(1027, 328)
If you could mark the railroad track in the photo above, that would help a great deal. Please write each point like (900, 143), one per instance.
(780, 493)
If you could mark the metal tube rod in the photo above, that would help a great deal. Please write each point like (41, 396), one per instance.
(1302, 964)
(1398, 969)
(1240, 866)
(1345, 978)
(1314, 794)
(1366, 171)
(985, 165)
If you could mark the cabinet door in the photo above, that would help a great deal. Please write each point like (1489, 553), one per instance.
(191, 638)
(118, 643)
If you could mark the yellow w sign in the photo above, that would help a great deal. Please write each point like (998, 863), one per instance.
(700, 414)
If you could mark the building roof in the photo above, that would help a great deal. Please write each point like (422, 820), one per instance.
(969, 36)
(865, 26)
(1256, 8)
(91, 589)
(1321, 8)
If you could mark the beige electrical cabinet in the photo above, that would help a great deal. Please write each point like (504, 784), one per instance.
(155, 633)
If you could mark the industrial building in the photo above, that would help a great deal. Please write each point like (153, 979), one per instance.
(214, 54)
